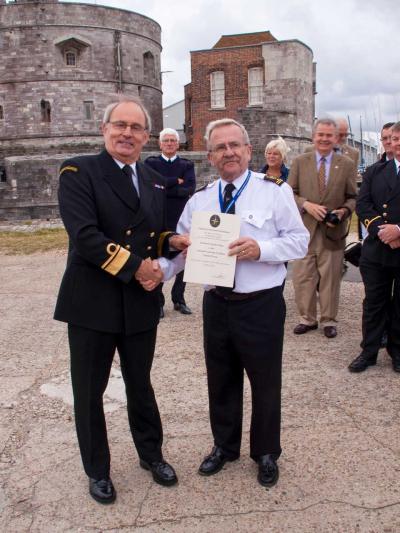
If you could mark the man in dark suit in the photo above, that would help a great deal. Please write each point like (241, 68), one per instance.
(378, 207)
(113, 208)
(181, 183)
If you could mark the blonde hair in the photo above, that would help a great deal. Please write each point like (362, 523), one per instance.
(280, 145)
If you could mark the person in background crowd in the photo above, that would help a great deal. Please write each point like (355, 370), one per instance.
(324, 186)
(386, 137)
(378, 208)
(341, 146)
(276, 156)
(181, 183)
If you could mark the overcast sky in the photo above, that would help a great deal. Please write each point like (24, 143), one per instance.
(356, 45)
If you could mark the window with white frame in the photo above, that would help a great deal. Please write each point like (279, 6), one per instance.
(255, 82)
(217, 83)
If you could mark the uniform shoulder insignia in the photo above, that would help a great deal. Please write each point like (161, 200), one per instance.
(206, 186)
(277, 181)
(68, 167)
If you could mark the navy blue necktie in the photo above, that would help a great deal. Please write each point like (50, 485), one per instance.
(228, 195)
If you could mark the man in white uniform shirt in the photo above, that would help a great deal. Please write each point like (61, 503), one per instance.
(243, 326)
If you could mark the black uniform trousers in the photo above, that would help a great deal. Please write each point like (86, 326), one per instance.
(92, 353)
(177, 291)
(240, 336)
(381, 308)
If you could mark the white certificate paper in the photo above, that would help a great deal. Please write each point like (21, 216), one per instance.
(207, 259)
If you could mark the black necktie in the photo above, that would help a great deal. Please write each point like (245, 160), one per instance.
(128, 171)
(229, 188)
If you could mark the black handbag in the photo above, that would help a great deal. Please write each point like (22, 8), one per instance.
(352, 253)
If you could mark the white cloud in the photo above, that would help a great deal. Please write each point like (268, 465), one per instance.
(356, 45)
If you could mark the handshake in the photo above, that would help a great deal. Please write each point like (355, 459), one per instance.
(149, 274)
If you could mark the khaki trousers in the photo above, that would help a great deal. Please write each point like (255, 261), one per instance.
(319, 271)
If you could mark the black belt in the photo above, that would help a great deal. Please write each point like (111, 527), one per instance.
(238, 296)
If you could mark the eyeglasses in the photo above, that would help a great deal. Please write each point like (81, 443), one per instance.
(233, 146)
(121, 126)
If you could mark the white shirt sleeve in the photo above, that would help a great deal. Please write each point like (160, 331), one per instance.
(293, 237)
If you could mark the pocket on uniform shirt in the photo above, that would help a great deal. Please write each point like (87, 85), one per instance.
(256, 218)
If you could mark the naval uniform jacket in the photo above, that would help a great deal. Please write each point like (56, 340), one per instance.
(341, 191)
(378, 203)
(108, 239)
(177, 194)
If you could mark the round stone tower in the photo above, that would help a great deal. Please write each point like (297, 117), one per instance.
(62, 63)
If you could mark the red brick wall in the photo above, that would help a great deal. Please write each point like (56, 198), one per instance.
(235, 63)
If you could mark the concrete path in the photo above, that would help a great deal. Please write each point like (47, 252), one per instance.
(340, 467)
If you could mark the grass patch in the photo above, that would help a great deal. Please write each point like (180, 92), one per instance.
(24, 243)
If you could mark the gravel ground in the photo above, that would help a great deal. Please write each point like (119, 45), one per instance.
(340, 432)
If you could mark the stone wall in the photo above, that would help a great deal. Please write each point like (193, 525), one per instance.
(30, 191)
(34, 38)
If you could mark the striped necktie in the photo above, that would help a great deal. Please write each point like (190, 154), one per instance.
(321, 177)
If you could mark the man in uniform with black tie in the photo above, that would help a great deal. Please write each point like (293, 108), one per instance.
(113, 208)
(243, 326)
(378, 208)
(181, 183)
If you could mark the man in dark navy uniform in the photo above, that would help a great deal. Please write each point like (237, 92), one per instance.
(113, 208)
(378, 208)
(181, 183)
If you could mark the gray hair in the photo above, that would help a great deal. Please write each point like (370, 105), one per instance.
(211, 126)
(325, 121)
(280, 145)
(128, 99)
(396, 127)
(169, 131)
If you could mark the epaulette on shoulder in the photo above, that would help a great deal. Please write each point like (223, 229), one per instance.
(206, 186)
(277, 181)
(186, 160)
(68, 167)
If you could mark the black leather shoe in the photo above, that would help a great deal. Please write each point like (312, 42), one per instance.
(268, 471)
(300, 329)
(396, 364)
(214, 462)
(162, 472)
(102, 490)
(182, 308)
(162, 312)
(361, 363)
(330, 332)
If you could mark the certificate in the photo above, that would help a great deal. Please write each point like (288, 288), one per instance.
(207, 259)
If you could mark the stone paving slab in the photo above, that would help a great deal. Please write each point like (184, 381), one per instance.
(340, 466)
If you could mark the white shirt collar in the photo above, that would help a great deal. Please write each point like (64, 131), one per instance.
(397, 163)
(169, 158)
(121, 165)
(237, 182)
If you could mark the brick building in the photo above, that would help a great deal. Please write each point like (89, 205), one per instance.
(266, 84)
(61, 64)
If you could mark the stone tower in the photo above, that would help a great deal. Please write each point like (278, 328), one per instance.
(61, 64)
